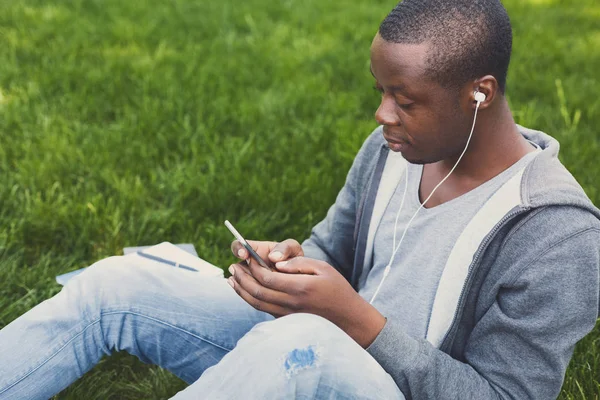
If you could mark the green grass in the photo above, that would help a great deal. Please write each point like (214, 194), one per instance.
(125, 124)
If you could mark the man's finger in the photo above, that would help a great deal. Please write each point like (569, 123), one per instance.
(285, 250)
(272, 309)
(286, 283)
(257, 296)
(244, 278)
(261, 247)
(265, 277)
(238, 250)
(300, 265)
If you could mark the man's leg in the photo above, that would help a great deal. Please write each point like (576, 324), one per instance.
(166, 316)
(300, 356)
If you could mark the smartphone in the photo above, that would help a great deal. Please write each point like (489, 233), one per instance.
(240, 239)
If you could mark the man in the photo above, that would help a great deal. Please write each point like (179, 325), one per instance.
(460, 259)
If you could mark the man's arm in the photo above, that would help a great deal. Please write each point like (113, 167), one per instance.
(522, 343)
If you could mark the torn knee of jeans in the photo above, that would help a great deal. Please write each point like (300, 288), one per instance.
(299, 359)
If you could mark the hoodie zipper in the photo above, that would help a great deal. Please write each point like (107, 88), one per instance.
(484, 245)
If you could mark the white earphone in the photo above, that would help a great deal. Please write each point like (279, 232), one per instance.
(479, 98)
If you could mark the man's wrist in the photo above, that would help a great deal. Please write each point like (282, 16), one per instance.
(367, 324)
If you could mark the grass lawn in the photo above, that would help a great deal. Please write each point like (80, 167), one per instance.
(126, 123)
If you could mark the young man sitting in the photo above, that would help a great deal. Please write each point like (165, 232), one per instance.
(459, 261)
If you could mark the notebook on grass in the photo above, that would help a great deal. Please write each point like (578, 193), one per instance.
(168, 255)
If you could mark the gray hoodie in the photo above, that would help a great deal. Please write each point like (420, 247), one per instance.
(528, 294)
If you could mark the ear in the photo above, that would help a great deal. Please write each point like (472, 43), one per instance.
(488, 85)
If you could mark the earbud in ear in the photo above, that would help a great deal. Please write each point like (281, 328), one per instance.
(479, 97)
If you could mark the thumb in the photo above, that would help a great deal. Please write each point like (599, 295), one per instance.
(286, 250)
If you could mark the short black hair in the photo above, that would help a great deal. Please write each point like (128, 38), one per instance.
(469, 38)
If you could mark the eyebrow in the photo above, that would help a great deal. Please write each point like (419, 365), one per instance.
(396, 88)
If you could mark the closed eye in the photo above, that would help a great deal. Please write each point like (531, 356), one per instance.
(404, 106)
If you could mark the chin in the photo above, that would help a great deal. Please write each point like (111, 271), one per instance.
(417, 161)
(410, 154)
(421, 159)
(413, 159)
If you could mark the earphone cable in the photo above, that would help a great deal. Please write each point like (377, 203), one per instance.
(395, 249)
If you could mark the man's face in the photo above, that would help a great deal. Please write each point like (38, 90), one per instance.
(420, 118)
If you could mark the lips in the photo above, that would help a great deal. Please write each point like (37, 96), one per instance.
(395, 143)
(394, 140)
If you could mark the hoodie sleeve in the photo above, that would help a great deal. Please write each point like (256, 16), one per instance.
(521, 344)
(331, 239)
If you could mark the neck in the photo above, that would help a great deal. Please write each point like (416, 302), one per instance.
(496, 144)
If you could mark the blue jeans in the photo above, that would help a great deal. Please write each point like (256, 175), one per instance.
(196, 327)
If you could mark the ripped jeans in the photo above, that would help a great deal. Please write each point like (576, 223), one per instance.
(194, 326)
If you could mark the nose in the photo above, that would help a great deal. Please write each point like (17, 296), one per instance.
(386, 113)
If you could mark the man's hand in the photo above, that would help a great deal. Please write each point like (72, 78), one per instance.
(309, 286)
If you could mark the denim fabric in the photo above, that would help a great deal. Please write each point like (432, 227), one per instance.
(187, 324)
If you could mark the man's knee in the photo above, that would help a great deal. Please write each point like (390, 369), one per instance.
(298, 339)
(110, 282)
(318, 356)
(300, 327)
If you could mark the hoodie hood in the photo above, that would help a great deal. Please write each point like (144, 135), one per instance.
(547, 182)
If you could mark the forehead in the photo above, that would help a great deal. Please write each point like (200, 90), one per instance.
(394, 62)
